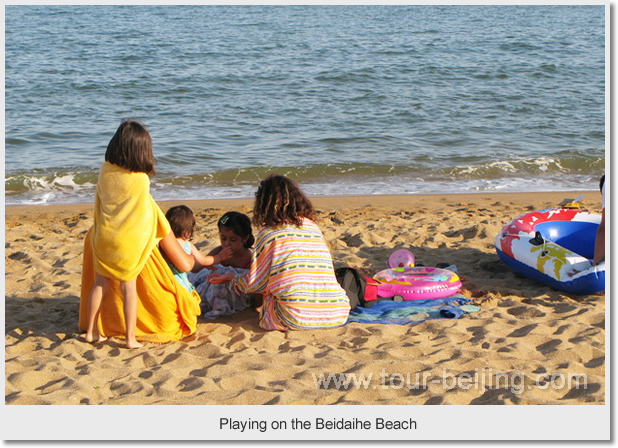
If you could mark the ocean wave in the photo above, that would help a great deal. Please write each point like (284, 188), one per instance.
(472, 174)
(50, 182)
(524, 166)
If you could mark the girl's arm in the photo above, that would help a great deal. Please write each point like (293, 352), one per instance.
(210, 260)
(176, 254)
(217, 279)
(198, 267)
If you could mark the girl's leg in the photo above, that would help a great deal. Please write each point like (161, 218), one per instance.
(129, 293)
(94, 308)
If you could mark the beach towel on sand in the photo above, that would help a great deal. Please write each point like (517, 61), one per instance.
(128, 223)
(166, 311)
(413, 311)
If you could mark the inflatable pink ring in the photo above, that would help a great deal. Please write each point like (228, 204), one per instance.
(414, 283)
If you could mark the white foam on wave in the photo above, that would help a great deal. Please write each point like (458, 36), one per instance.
(515, 165)
(39, 183)
(544, 163)
(45, 190)
(63, 189)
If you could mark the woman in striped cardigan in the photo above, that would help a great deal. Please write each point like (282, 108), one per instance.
(291, 266)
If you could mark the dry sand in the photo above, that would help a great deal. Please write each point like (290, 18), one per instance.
(524, 330)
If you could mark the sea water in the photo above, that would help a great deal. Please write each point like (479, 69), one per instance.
(347, 100)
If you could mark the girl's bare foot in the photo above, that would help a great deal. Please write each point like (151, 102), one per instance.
(92, 338)
(88, 338)
(133, 344)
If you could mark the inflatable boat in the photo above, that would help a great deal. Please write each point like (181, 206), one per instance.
(554, 247)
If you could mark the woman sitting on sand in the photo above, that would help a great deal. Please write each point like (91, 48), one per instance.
(291, 265)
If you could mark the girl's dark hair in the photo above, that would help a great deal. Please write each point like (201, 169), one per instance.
(240, 224)
(601, 182)
(131, 148)
(182, 221)
(278, 201)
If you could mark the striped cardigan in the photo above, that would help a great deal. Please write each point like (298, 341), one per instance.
(293, 269)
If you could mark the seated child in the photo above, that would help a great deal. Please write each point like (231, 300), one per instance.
(182, 222)
(223, 300)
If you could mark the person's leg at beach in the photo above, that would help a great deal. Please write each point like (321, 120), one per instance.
(129, 294)
(599, 242)
(94, 307)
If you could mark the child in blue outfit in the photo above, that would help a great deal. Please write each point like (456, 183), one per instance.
(182, 222)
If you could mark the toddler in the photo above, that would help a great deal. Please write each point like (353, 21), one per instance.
(182, 222)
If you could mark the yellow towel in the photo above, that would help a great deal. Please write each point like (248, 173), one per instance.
(122, 245)
(128, 223)
(165, 310)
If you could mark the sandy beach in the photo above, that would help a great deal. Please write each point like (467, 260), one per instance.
(539, 336)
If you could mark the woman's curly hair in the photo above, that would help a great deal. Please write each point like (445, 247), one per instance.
(279, 201)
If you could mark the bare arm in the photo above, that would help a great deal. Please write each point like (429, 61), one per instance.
(176, 254)
(210, 260)
(217, 279)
